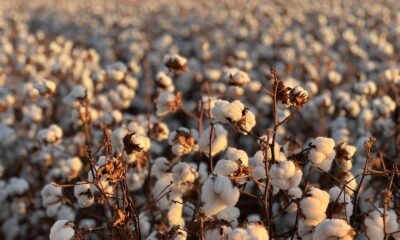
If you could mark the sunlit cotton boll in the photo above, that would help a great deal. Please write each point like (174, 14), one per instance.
(183, 141)
(323, 153)
(334, 229)
(257, 231)
(285, 175)
(312, 215)
(62, 230)
(218, 193)
(219, 140)
(237, 154)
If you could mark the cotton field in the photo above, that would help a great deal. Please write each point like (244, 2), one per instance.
(209, 120)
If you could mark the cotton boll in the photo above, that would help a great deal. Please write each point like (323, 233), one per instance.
(175, 212)
(305, 231)
(182, 141)
(265, 142)
(374, 223)
(219, 140)
(314, 197)
(175, 62)
(74, 166)
(167, 102)
(218, 193)
(161, 187)
(225, 167)
(383, 106)
(257, 231)
(17, 186)
(338, 196)
(161, 167)
(83, 194)
(159, 131)
(116, 71)
(51, 135)
(285, 175)
(78, 94)
(237, 154)
(350, 180)
(164, 82)
(230, 214)
(10, 228)
(239, 234)
(45, 87)
(257, 162)
(51, 196)
(183, 172)
(226, 112)
(334, 77)
(323, 154)
(334, 228)
(62, 230)
(207, 103)
(66, 212)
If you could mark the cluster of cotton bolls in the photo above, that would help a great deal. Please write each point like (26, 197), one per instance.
(199, 120)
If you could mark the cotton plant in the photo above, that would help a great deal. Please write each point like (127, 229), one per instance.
(181, 131)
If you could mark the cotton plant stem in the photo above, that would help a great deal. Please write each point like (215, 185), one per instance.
(368, 146)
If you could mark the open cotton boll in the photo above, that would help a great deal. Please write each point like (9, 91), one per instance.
(183, 172)
(175, 62)
(305, 231)
(285, 175)
(337, 195)
(265, 142)
(239, 234)
(350, 180)
(226, 112)
(164, 82)
(219, 140)
(167, 102)
(383, 106)
(51, 135)
(257, 231)
(182, 141)
(117, 136)
(74, 166)
(17, 186)
(45, 87)
(62, 230)
(161, 187)
(230, 214)
(218, 193)
(66, 212)
(175, 212)
(161, 167)
(159, 131)
(225, 167)
(334, 229)
(83, 194)
(78, 94)
(374, 224)
(312, 215)
(116, 71)
(50, 194)
(257, 162)
(218, 233)
(237, 154)
(323, 153)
